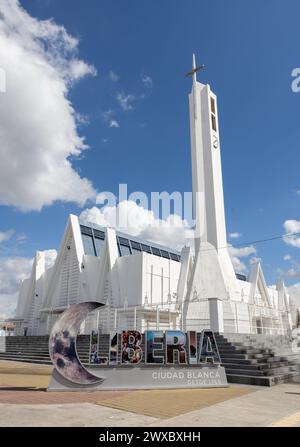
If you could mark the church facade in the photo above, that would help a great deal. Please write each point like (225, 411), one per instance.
(149, 286)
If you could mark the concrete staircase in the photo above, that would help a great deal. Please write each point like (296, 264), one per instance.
(246, 363)
(248, 359)
(34, 349)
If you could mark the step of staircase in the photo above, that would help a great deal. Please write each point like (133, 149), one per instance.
(258, 380)
(35, 349)
(246, 364)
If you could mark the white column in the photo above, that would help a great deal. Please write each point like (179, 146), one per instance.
(157, 318)
(151, 285)
(135, 318)
(162, 287)
(97, 321)
(216, 314)
(261, 323)
(116, 316)
(236, 318)
(250, 319)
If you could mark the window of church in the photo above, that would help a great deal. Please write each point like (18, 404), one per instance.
(213, 105)
(86, 230)
(165, 254)
(214, 122)
(88, 244)
(125, 250)
(99, 245)
(99, 234)
(155, 251)
(123, 241)
(146, 248)
(135, 246)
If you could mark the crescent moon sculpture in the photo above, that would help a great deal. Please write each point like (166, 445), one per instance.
(62, 344)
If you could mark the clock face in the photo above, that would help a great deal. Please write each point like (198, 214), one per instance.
(216, 143)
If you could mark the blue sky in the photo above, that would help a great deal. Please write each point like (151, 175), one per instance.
(249, 50)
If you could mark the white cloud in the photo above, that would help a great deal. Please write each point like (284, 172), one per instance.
(235, 235)
(82, 120)
(114, 123)
(6, 235)
(78, 69)
(237, 253)
(113, 76)
(22, 238)
(138, 221)
(290, 227)
(293, 271)
(8, 304)
(12, 272)
(147, 81)
(107, 114)
(50, 257)
(238, 265)
(242, 251)
(125, 101)
(107, 117)
(38, 133)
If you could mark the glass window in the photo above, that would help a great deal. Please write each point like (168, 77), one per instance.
(86, 230)
(241, 277)
(88, 244)
(165, 254)
(120, 254)
(99, 234)
(99, 245)
(212, 105)
(135, 245)
(123, 241)
(155, 251)
(214, 122)
(146, 248)
(125, 250)
(175, 257)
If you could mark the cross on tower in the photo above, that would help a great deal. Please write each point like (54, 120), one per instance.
(194, 70)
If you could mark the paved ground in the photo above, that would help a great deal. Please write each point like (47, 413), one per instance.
(265, 407)
(24, 402)
(69, 415)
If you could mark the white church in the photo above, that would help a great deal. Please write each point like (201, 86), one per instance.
(148, 286)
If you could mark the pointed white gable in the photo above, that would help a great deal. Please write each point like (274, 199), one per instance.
(64, 287)
(258, 287)
(283, 298)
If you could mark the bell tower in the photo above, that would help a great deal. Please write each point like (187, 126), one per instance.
(206, 165)
(213, 274)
